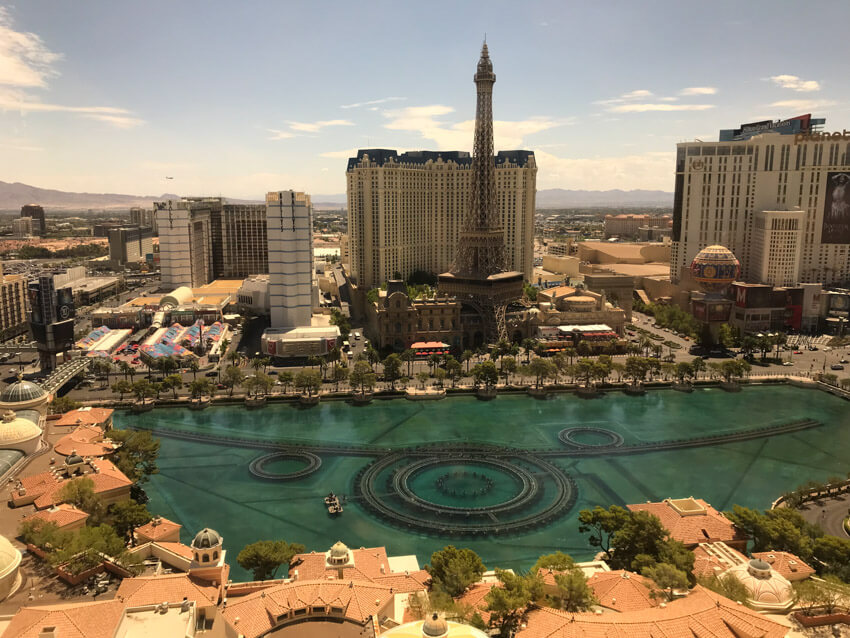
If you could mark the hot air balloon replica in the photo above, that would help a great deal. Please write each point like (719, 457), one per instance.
(714, 269)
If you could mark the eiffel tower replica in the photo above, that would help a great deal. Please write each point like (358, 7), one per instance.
(478, 278)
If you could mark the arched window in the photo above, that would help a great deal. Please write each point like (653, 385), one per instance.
(206, 558)
(215, 555)
(196, 557)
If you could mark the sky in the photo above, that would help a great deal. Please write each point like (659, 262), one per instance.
(240, 98)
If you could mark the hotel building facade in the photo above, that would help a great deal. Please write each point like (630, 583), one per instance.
(405, 211)
(742, 192)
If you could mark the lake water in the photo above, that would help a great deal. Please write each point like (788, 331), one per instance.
(203, 484)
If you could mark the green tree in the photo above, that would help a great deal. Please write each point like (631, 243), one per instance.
(573, 593)
(486, 373)
(308, 381)
(556, 562)
(408, 356)
(60, 405)
(423, 377)
(126, 516)
(392, 369)
(340, 321)
(726, 585)
(136, 455)
(79, 492)
(143, 389)
(508, 366)
(667, 578)
(200, 387)
(173, 382)
(362, 377)
(232, 377)
(454, 369)
(780, 529)
(121, 387)
(339, 374)
(509, 602)
(602, 525)
(818, 597)
(194, 366)
(264, 558)
(285, 378)
(454, 569)
(467, 356)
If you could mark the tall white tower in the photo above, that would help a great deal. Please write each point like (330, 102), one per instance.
(289, 223)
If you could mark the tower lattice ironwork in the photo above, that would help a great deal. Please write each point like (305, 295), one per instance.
(478, 276)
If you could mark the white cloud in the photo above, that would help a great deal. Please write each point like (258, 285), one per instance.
(698, 90)
(647, 171)
(459, 135)
(795, 83)
(26, 63)
(13, 100)
(383, 100)
(668, 99)
(280, 135)
(315, 127)
(344, 154)
(632, 95)
(644, 108)
(24, 59)
(803, 105)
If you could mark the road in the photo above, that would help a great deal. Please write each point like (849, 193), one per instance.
(829, 514)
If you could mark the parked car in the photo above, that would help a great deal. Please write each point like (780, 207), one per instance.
(843, 361)
(836, 366)
(798, 352)
(787, 363)
(211, 373)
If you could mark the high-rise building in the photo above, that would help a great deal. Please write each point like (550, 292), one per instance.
(22, 227)
(478, 276)
(144, 217)
(776, 246)
(185, 257)
(289, 218)
(764, 167)
(405, 211)
(204, 238)
(51, 317)
(36, 212)
(13, 305)
(130, 244)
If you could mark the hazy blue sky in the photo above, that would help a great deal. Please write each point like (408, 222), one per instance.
(242, 97)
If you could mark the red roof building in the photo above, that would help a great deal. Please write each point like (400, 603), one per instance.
(64, 516)
(786, 564)
(88, 416)
(622, 590)
(693, 521)
(43, 489)
(712, 559)
(85, 440)
(158, 529)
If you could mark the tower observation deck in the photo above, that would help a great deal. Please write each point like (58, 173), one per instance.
(478, 277)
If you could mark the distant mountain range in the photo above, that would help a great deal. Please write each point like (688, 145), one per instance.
(560, 198)
(15, 195)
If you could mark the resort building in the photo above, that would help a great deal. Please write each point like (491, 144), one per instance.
(693, 521)
(13, 305)
(722, 188)
(395, 321)
(43, 490)
(405, 211)
(63, 516)
(88, 415)
(129, 245)
(631, 225)
(36, 214)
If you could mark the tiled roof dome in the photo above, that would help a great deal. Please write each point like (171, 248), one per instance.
(206, 538)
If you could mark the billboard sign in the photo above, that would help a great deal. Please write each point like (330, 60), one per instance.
(836, 209)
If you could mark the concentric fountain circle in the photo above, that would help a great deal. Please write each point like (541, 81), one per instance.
(257, 467)
(541, 491)
(567, 436)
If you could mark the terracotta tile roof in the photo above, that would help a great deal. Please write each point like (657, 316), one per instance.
(692, 529)
(367, 565)
(47, 486)
(61, 515)
(257, 612)
(711, 559)
(622, 590)
(176, 548)
(410, 582)
(702, 614)
(153, 590)
(787, 564)
(89, 416)
(87, 620)
(85, 440)
(474, 597)
(157, 528)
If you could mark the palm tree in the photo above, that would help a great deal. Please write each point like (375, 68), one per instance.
(125, 368)
(466, 357)
(408, 356)
(528, 345)
(194, 366)
(256, 364)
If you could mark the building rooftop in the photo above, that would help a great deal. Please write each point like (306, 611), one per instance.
(786, 564)
(712, 559)
(85, 440)
(85, 416)
(701, 614)
(370, 564)
(45, 487)
(157, 529)
(692, 521)
(61, 515)
(73, 620)
(622, 590)
(152, 590)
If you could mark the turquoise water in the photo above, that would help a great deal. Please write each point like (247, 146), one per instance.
(208, 485)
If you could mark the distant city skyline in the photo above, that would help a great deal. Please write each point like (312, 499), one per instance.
(242, 99)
